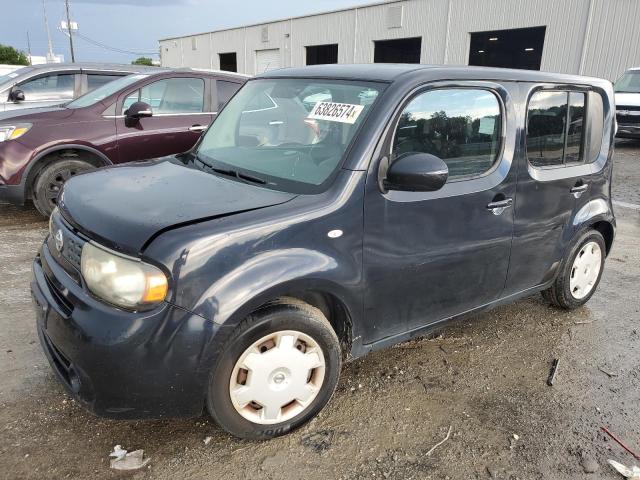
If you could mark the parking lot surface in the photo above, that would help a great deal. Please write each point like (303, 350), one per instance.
(484, 377)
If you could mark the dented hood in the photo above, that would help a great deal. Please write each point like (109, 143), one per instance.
(124, 207)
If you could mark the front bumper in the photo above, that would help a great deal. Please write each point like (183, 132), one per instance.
(116, 363)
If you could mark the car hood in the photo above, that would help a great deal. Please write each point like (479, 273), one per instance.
(124, 207)
(628, 99)
(37, 115)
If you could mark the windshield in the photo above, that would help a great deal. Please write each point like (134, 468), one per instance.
(628, 83)
(7, 77)
(104, 91)
(288, 134)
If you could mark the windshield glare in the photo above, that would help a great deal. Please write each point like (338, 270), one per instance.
(628, 83)
(104, 91)
(291, 133)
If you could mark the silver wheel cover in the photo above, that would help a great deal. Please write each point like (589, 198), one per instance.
(585, 270)
(277, 377)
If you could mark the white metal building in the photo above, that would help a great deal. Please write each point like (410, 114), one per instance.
(590, 37)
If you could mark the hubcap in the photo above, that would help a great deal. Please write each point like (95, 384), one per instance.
(277, 377)
(585, 270)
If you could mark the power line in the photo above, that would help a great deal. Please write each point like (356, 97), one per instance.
(113, 49)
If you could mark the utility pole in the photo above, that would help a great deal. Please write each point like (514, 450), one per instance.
(73, 58)
(29, 47)
(50, 57)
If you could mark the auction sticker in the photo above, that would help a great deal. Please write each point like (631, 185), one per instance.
(336, 112)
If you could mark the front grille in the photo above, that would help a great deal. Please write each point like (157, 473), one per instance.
(71, 252)
(628, 119)
(630, 108)
(628, 115)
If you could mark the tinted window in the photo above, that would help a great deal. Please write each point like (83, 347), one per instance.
(548, 117)
(49, 87)
(461, 126)
(573, 151)
(172, 95)
(546, 128)
(94, 80)
(225, 91)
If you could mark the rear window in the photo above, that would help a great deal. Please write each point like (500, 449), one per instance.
(564, 127)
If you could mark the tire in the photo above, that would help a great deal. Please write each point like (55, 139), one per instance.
(564, 292)
(272, 378)
(49, 182)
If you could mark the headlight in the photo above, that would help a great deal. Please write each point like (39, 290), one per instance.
(122, 281)
(11, 132)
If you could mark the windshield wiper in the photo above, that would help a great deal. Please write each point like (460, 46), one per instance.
(239, 175)
(232, 173)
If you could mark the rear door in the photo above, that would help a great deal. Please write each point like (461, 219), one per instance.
(554, 180)
(181, 112)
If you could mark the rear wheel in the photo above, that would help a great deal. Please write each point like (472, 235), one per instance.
(279, 369)
(49, 182)
(580, 272)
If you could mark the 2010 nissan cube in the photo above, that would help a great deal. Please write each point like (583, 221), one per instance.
(327, 212)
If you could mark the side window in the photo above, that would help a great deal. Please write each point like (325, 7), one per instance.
(49, 87)
(172, 95)
(175, 95)
(225, 90)
(129, 100)
(459, 125)
(555, 128)
(95, 80)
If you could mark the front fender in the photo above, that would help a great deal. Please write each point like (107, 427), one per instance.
(270, 275)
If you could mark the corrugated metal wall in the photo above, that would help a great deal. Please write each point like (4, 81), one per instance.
(613, 41)
(591, 37)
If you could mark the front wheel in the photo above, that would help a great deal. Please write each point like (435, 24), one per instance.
(279, 369)
(50, 180)
(580, 272)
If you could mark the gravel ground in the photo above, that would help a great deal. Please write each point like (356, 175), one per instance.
(484, 378)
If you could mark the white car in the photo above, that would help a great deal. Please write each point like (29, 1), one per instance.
(627, 91)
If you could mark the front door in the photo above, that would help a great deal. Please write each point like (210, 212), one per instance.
(179, 118)
(553, 183)
(432, 255)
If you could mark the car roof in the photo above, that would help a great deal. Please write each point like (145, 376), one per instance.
(390, 72)
(52, 67)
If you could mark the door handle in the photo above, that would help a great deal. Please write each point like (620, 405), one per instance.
(500, 206)
(578, 190)
(198, 128)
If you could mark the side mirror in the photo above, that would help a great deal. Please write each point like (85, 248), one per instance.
(138, 110)
(16, 95)
(416, 172)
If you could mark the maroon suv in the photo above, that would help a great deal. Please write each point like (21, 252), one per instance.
(136, 117)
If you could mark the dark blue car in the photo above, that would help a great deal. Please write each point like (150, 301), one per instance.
(327, 212)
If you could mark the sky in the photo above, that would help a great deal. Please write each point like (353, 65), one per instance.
(136, 25)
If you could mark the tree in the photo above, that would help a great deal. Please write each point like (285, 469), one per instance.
(11, 56)
(143, 61)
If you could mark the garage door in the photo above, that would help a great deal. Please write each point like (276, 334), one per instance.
(267, 60)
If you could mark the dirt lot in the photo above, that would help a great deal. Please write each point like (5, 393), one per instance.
(484, 377)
